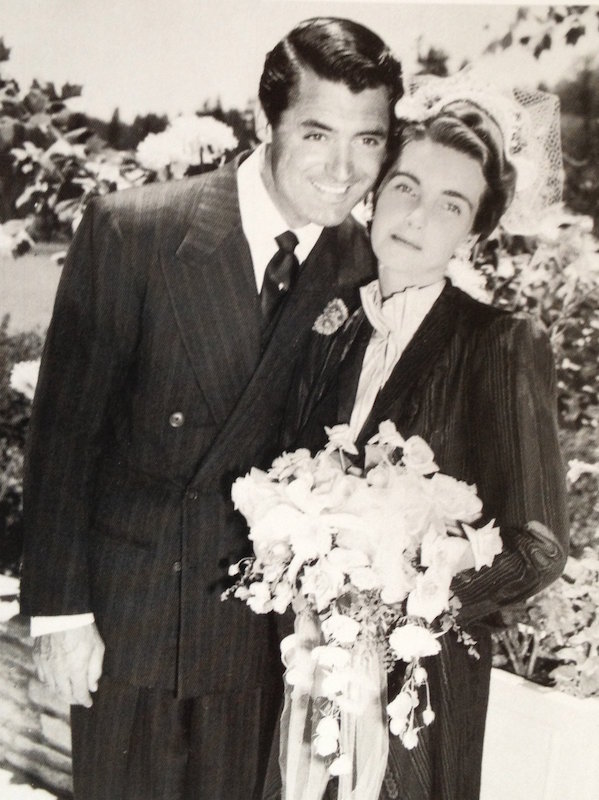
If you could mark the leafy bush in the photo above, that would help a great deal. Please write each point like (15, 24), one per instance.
(15, 407)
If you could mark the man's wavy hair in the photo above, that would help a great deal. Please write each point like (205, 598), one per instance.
(335, 49)
(464, 127)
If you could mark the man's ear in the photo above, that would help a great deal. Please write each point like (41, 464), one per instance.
(263, 128)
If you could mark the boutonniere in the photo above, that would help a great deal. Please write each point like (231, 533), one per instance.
(332, 318)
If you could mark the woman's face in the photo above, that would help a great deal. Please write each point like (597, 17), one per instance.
(424, 211)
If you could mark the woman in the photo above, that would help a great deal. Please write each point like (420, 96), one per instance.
(476, 382)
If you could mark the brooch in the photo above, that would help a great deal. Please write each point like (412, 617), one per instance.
(332, 318)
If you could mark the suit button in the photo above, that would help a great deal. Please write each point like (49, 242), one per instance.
(177, 566)
(176, 419)
(192, 494)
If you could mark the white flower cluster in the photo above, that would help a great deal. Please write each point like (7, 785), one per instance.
(371, 557)
(23, 377)
(188, 141)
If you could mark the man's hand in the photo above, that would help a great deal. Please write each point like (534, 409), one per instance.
(70, 662)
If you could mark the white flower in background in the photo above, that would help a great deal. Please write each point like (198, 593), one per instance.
(322, 582)
(411, 641)
(331, 656)
(23, 377)
(466, 277)
(188, 141)
(576, 468)
(340, 629)
(485, 543)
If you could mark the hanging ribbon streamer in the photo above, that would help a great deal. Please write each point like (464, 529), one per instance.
(334, 718)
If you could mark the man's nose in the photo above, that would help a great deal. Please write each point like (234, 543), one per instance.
(341, 163)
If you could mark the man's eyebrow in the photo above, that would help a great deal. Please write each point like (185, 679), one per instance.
(321, 126)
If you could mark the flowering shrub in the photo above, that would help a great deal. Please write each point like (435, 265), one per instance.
(18, 373)
(554, 638)
(189, 141)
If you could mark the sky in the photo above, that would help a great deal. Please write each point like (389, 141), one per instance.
(169, 56)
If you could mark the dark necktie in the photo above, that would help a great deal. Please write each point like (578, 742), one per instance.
(280, 273)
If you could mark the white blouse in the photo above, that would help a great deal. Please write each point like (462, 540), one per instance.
(395, 321)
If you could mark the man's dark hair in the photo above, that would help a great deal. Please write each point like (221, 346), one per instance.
(335, 49)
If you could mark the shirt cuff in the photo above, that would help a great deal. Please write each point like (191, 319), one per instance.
(42, 625)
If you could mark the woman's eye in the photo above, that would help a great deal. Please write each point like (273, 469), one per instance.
(314, 137)
(453, 208)
(404, 188)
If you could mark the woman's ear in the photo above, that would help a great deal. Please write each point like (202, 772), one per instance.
(262, 125)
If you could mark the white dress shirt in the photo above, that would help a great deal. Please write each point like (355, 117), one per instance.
(261, 222)
(395, 321)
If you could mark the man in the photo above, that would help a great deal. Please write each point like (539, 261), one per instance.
(176, 329)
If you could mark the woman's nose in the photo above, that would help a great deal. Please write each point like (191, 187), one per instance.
(415, 218)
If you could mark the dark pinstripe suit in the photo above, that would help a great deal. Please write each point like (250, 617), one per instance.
(478, 385)
(127, 509)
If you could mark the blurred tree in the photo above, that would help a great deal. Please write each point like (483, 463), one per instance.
(538, 27)
(433, 62)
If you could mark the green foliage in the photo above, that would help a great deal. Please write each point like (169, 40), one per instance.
(14, 416)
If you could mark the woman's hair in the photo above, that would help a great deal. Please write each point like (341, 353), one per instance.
(335, 49)
(468, 129)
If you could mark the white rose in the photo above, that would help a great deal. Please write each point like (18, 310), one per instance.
(365, 579)
(411, 641)
(282, 598)
(345, 559)
(253, 494)
(485, 542)
(450, 553)
(340, 629)
(331, 656)
(455, 500)
(418, 456)
(322, 582)
(430, 597)
(259, 598)
(327, 736)
(288, 464)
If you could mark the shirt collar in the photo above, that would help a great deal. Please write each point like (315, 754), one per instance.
(262, 221)
(400, 314)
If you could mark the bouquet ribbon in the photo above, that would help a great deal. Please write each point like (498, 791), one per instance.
(363, 730)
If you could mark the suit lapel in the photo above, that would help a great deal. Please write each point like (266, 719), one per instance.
(396, 398)
(213, 292)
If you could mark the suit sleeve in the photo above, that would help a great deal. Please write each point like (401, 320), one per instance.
(86, 358)
(518, 466)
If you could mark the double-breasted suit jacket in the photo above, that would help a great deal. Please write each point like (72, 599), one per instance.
(154, 394)
(477, 383)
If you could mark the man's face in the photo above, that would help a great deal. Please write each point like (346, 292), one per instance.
(326, 151)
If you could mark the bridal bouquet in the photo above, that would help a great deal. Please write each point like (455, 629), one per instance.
(365, 559)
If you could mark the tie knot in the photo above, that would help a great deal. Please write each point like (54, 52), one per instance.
(287, 241)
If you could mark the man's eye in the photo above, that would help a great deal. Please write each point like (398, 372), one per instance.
(314, 137)
(371, 141)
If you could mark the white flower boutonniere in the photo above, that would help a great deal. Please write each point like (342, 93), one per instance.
(332, 318)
